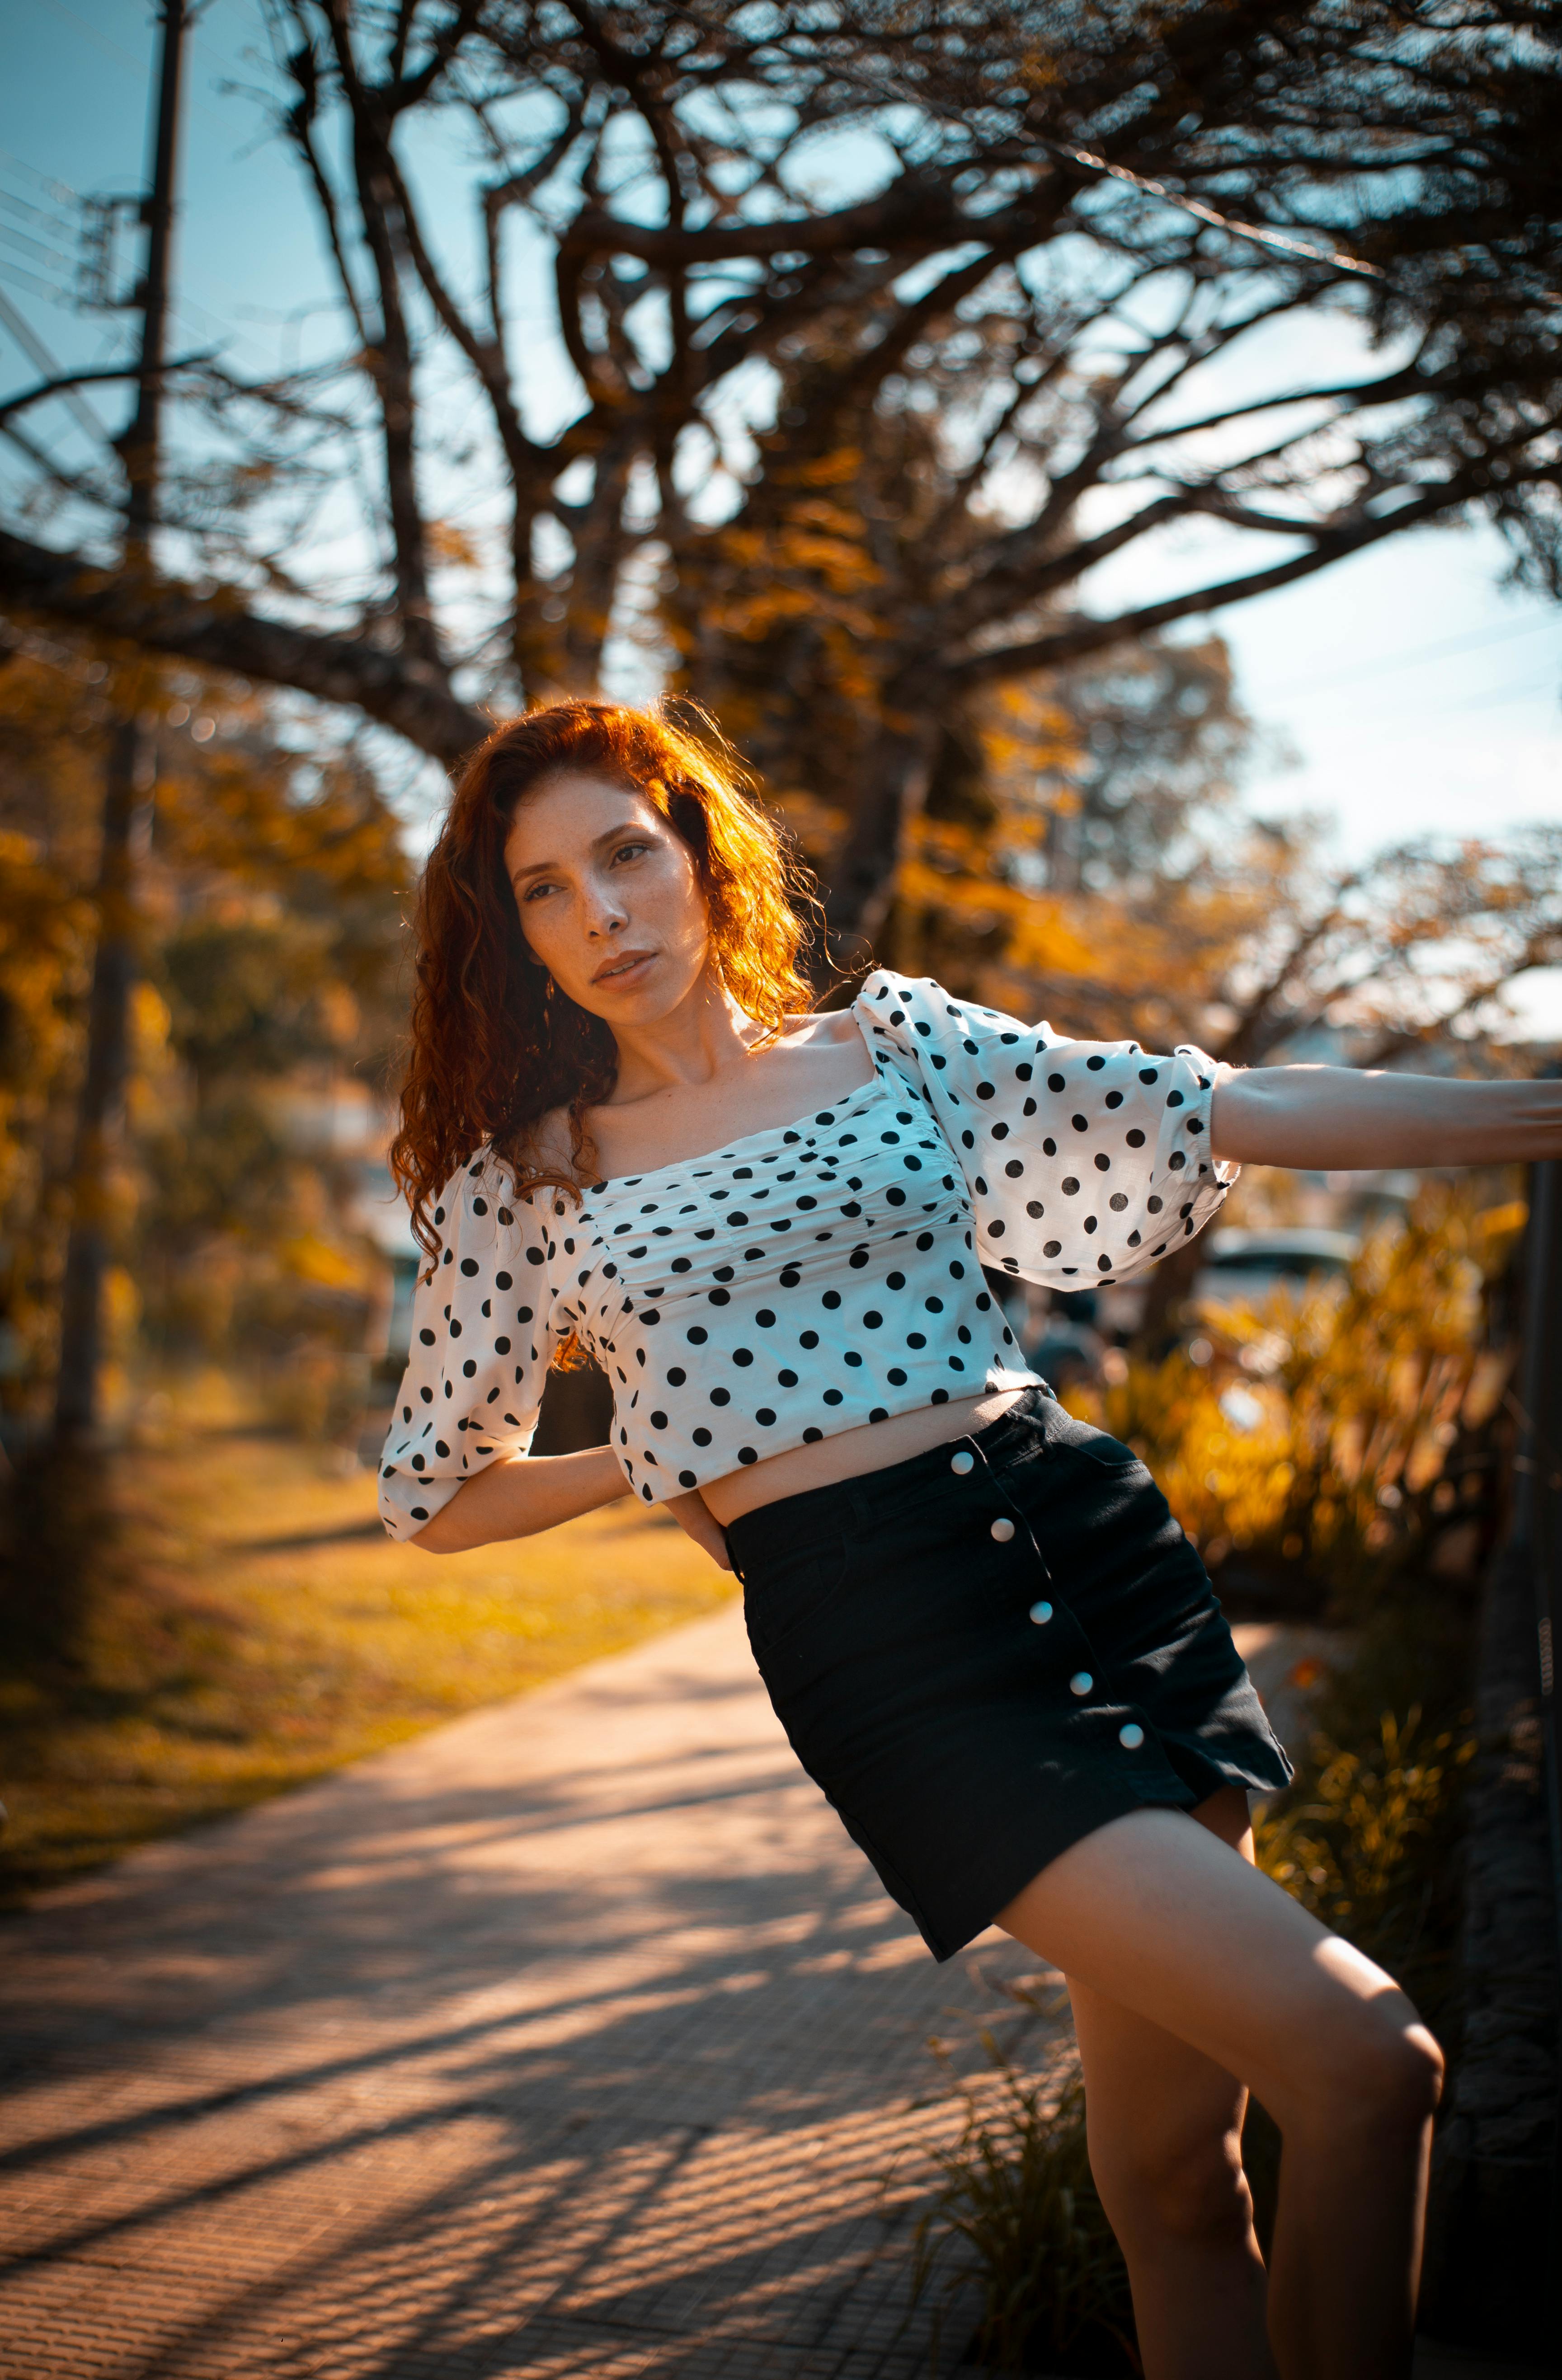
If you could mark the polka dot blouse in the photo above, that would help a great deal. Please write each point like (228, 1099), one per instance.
(813, 1276)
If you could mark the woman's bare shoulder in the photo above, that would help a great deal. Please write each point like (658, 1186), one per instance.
(827, 1027)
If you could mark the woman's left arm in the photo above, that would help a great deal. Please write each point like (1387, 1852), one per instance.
(1339, 1120)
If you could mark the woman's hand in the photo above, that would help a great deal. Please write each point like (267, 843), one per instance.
(519, 1495)
(1345, 1120)
(694, 1516)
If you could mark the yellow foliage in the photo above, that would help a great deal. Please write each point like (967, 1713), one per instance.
(122, 1303)
(322, 1262)
(825, 470)
(1349, 1400)
(817, 825)
(1348, 1852)
(452, 547)
(1039, 931)
(45, 940)
(149, 1020)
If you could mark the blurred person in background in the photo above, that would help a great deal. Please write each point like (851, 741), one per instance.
(627, 1129)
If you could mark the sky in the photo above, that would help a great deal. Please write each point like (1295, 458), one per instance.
(1404, 691)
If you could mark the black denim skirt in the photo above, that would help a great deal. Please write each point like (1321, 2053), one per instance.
(987, 1652)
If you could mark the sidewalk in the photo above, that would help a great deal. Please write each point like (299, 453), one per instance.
(570, 2040)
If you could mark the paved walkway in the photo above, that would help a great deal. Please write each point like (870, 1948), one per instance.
(573, 2039)
(570, 2039)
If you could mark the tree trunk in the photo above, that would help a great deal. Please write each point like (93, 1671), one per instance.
(129, 772)
(863, 876)
(1166, 1290)
(595, 580)
(99, 1117)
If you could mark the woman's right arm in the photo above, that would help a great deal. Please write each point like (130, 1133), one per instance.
(455, 1471)
(485, 1329)
(519, 1495)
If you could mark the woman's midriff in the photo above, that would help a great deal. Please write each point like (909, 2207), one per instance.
(874, 1446)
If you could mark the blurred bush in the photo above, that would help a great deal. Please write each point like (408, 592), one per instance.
(1331, 1440)
(1368, 1831)
(270, 886)
(1015, 2219)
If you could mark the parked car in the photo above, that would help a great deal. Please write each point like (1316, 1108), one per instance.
(1069, 1357)
(1245, 1266)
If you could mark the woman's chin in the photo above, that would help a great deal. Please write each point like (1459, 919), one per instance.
(640, 996)
(643, 995)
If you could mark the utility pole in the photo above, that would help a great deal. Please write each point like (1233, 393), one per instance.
(126, 791)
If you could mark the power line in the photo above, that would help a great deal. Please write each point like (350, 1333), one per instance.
(199, 318)
(1503, 694)
(1472, 641)
(100, 41)
(1388, 732)
(57, 190)
(35, 247)
(54, 221)
(37, 352)
(50, 290)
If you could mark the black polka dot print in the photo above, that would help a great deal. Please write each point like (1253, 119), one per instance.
(1086, 1161)
(812, 1277)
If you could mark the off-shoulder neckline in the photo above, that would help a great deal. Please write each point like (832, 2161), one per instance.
(834, 1108)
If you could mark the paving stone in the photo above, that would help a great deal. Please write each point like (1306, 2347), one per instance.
(576, 2038)
(575, 2041)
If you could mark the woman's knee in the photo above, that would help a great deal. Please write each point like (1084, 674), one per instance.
(1379, 2065)
(1397, 2077)
(1184, 2188)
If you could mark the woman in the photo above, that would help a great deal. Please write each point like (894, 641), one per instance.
(623, 1130)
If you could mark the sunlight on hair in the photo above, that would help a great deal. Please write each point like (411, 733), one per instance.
(492, 1054)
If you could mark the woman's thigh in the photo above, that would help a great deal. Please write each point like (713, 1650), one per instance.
(1164, 1918)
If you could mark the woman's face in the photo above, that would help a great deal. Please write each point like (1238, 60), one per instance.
(609, 896)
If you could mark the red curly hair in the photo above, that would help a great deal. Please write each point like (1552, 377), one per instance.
(494, 1046)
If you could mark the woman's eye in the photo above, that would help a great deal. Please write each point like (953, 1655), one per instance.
(630, 850)
(535, 889)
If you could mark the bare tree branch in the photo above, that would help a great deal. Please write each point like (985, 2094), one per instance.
(162, 616)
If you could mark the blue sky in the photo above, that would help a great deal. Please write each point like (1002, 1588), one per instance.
(1412, 692)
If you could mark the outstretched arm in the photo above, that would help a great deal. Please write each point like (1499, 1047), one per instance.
(1337, 1119)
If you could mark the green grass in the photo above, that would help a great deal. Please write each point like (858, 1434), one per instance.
(247, 1626)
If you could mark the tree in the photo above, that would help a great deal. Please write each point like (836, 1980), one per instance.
(1184, 913)
(269, 946)
(875, 438)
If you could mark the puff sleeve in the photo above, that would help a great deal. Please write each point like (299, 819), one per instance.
(485, 1332)
(1086, 1161)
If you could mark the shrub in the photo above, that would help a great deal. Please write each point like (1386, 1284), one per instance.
(1015, 2214)
(1332, 1433)
(1353, 1846)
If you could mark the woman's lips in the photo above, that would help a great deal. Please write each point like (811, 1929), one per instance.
(623, 970)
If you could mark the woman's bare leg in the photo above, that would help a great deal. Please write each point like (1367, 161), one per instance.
(1165, 2129)
(1156, 1914)
(1165, 2149)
